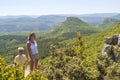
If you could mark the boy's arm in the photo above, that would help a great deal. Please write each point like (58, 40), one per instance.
(15, 61)
(25, 58)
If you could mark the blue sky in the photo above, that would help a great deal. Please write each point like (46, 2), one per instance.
(44, 7)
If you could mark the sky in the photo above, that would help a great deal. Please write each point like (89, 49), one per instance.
(47, 7)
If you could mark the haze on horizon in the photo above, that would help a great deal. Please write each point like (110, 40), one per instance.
(46, 7)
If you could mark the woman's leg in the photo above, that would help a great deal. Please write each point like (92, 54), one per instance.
(31, 65)
(36, 61)
(36, 64)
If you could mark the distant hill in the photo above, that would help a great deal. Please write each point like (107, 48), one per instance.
(103, 15)
(97, 18)
(28, 23)
(92, 20)
(117, 17)
(51, 20)
(13, 17)
(71, 26)
(108, 22)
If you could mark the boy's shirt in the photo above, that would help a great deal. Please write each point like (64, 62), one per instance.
(20, 60)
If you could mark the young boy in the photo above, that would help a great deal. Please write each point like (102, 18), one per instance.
(20, 59)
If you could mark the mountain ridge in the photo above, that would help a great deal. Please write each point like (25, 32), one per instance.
(108, 22)
(47, 22)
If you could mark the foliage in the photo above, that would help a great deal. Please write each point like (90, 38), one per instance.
(69, 63)
(10, 72)
(79, 60)
(74, 59)
(35, 75)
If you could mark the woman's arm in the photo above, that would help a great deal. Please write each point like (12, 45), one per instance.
(29, 50)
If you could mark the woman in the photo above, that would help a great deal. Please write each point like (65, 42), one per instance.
(32, 51)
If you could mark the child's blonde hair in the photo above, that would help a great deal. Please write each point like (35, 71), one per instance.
(20, 48)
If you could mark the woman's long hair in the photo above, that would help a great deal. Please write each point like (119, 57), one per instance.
(30, 35)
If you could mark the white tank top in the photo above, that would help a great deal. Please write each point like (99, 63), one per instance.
(33, 47)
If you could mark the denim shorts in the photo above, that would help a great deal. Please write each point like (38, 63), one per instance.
(35, 56)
